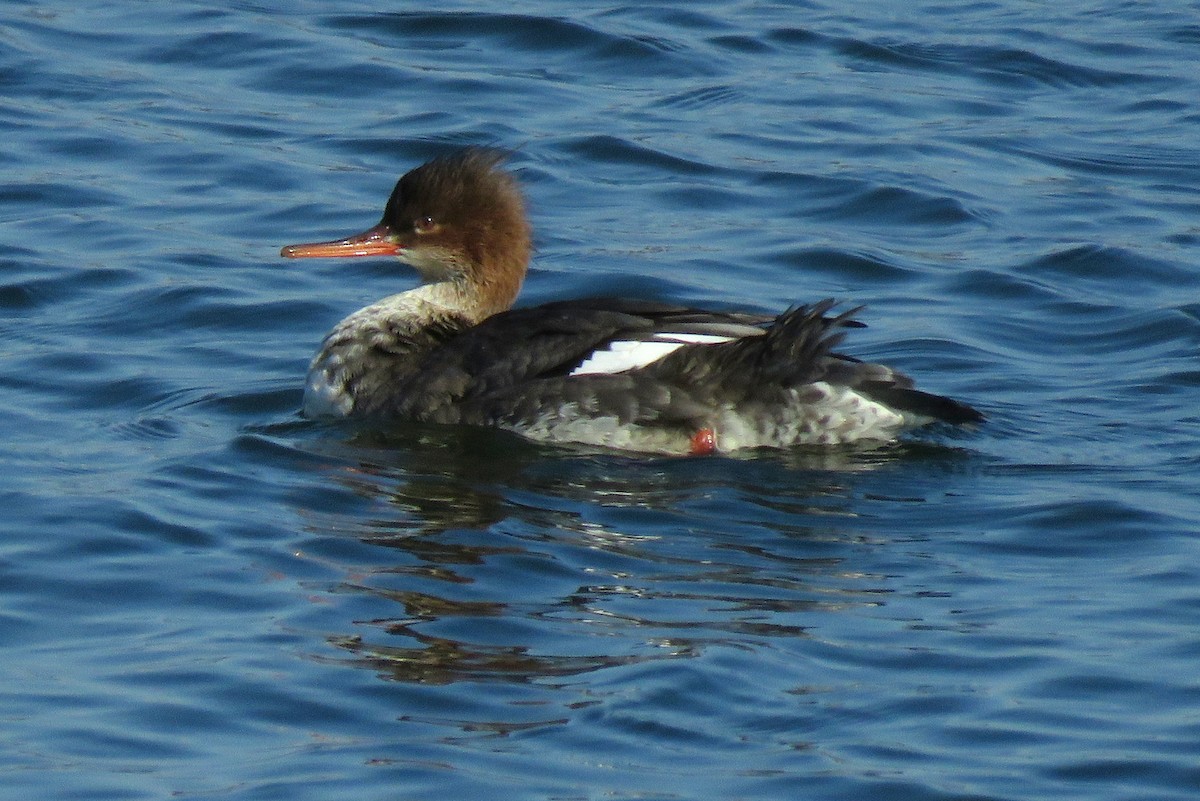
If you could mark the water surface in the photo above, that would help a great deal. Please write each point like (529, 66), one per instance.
(204, 595)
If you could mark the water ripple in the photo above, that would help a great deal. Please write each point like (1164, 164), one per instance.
(430, 612)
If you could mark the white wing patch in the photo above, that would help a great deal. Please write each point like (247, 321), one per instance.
(622, 355)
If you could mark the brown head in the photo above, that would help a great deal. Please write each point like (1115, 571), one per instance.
(459, 218)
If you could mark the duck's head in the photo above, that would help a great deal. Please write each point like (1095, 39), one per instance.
(459, 219)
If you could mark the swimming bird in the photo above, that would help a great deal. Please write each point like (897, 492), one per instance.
(630, 374)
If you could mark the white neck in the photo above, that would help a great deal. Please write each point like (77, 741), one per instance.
(411, 310)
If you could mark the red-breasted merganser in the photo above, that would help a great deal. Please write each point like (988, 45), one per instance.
(629, 374)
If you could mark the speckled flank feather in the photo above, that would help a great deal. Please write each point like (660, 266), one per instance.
(629, 374)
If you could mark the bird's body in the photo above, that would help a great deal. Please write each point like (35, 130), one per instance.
(630, 374)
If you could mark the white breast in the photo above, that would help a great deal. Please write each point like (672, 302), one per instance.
(325, 393)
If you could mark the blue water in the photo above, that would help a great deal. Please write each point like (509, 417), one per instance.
(204, 595)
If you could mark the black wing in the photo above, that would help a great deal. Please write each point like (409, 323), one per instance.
(516, 348)
(798, 349)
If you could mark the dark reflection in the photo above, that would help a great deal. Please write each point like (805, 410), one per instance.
(511, 562)
(436, 660)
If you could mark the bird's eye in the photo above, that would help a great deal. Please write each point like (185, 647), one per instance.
(424, 225)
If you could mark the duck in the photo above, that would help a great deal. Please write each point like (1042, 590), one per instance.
(628, 374)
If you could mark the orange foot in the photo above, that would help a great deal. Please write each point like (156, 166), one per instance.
(704, 442)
